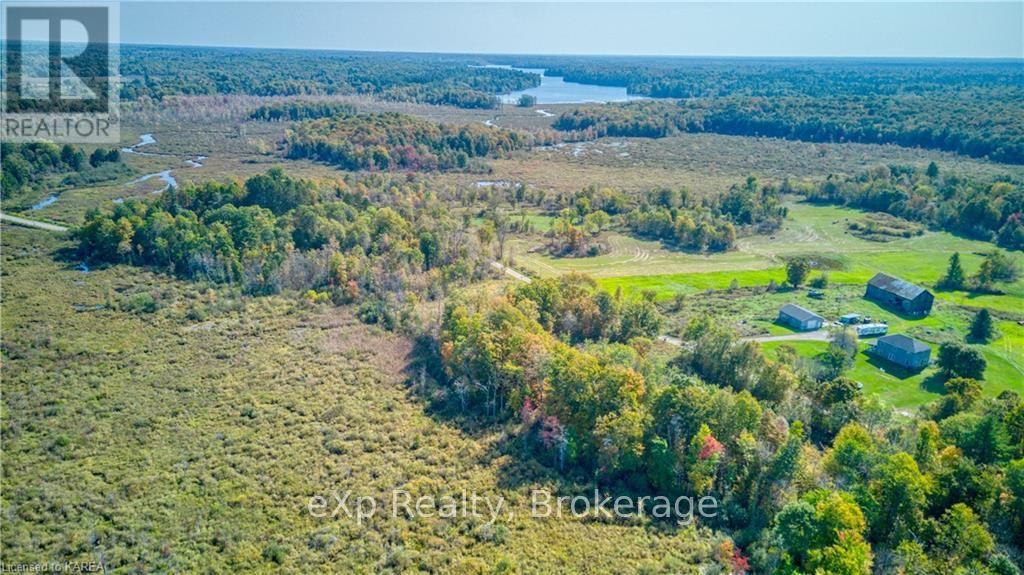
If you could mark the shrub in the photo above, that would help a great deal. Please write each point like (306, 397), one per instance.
(820, 281)
(140, 303)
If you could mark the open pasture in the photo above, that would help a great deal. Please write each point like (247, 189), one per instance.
(809, 230)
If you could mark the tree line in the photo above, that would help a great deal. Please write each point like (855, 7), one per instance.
(688, 77)
(986, 126)
(160, 71)
(392, 141)
(987, 210)
(672, 216)
(708, 224)
(295, 111)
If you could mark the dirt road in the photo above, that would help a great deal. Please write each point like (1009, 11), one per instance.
(511, 272)
(820, 335)
(32, 223)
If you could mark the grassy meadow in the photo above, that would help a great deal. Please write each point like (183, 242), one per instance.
(159, 425)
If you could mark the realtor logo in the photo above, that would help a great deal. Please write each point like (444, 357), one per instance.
(59, 71)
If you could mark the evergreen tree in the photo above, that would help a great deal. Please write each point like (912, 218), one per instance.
(981, 327)
(954, 278)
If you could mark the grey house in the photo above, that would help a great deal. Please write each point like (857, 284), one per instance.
(800, 318)
(900, 295)
(903, 351)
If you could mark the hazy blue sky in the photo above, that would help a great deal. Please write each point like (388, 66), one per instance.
(926, 29)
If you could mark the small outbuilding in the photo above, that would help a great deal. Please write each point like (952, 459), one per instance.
(850, 318)
(866, 329)
(900, 295)
(800, 318)
(903, 350)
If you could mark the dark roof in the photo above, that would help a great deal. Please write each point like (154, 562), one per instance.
(896, 286)
(903, 343)
(799, 313)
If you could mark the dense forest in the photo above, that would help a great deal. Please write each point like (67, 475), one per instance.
(380, 244)
(811, 476)
(985, 126)
(159, 71)
(26, 166)
(305, 110)
(990, 211)
(702, 77)
(392, 141)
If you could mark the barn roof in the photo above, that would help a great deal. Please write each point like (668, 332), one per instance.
(799, 313)
(903, 343)
(896, 286)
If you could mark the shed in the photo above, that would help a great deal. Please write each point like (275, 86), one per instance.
(850, 318)
(900, 294)
(800, 318)
(903, 350)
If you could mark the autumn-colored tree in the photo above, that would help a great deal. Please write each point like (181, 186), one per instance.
(823, 532)
(899, 493)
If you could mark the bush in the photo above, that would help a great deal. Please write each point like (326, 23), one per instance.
(275, 552)
(820, 282)
(141, 303)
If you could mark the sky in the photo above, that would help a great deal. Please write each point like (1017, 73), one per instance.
(942, 29)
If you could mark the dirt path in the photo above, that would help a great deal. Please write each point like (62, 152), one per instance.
(511, 272)
(672, 340)
(820, 335)
(32, 223)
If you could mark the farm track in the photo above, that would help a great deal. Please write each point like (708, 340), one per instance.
(820, 335)
(32, 223)
(511, 272)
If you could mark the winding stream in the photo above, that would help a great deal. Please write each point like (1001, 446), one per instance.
(144, 140)
(48, 200)
(165, 176)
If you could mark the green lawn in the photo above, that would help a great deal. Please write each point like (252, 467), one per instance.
(909, 390)
(758, 260)
(636, 264)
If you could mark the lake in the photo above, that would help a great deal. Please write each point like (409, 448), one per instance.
(555, 90)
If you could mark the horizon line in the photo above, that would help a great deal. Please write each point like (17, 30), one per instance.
(4, 41)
